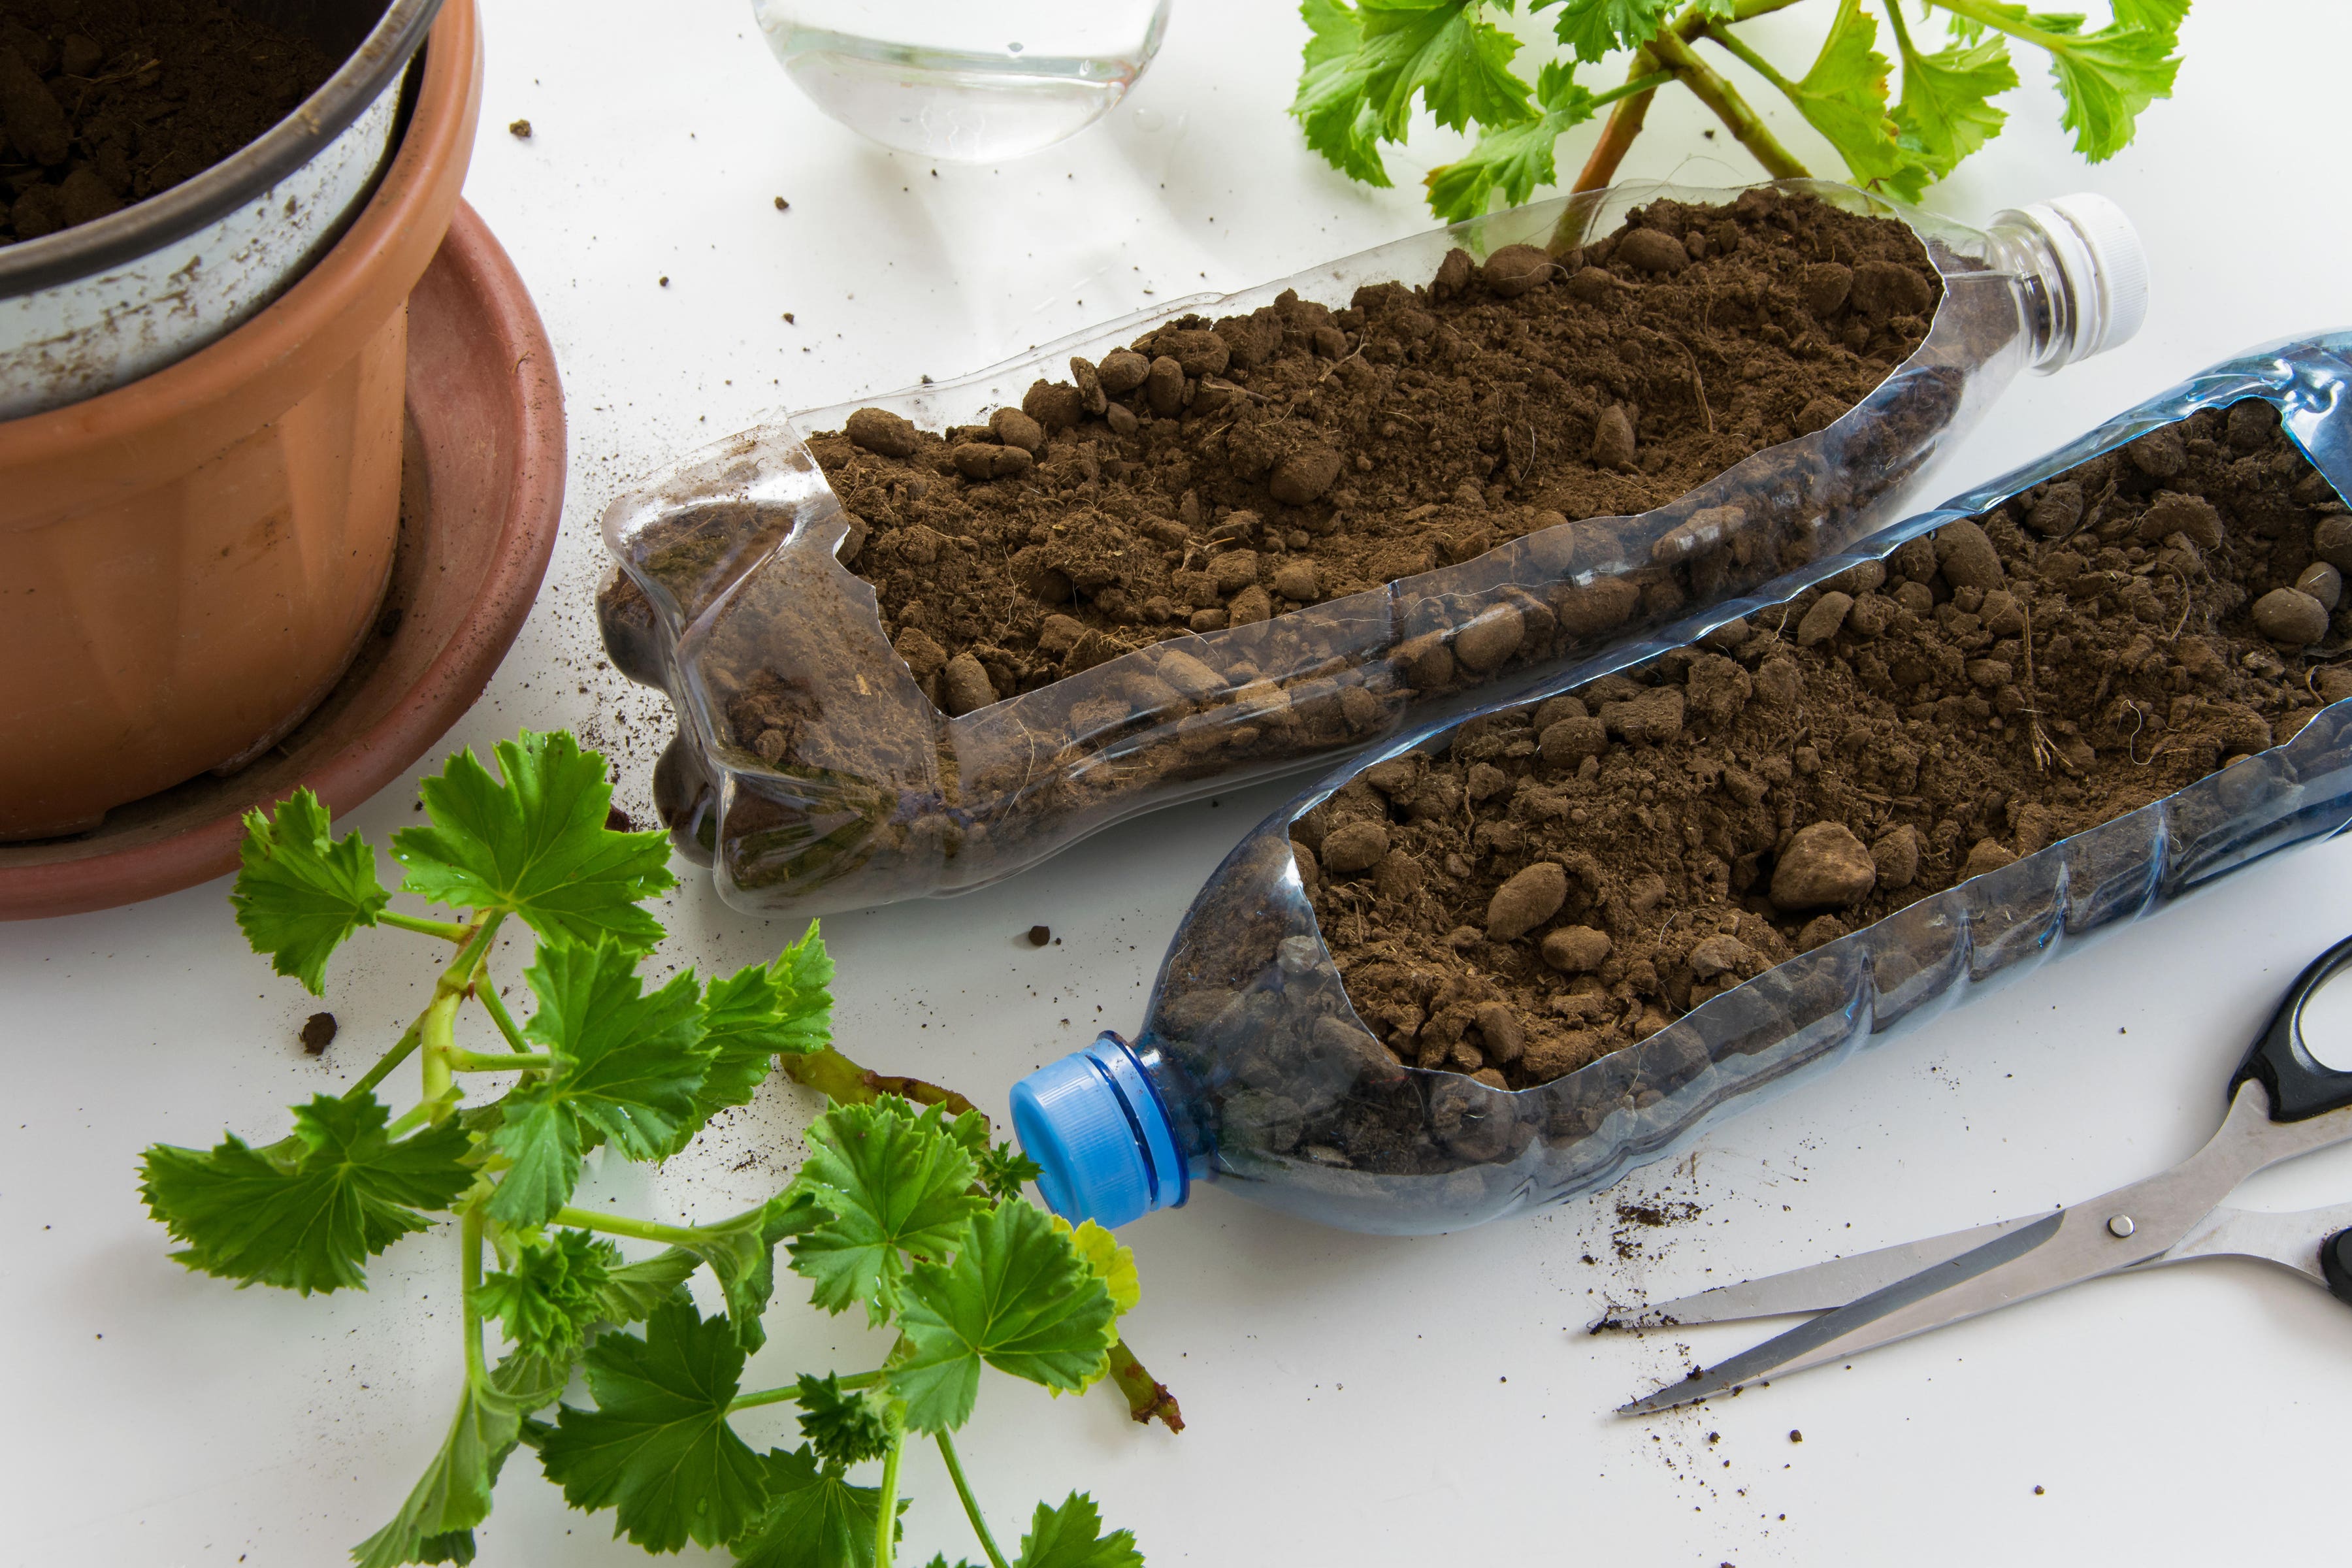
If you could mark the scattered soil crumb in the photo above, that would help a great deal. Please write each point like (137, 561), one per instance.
(317, 1033)
(1040, 935)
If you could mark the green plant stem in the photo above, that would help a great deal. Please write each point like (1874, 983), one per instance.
(468, 955)
(790, 1393)
(447, 931)
(1617, 134)
(1625, 120)
(1723, 101)
(1147, 1399)
(970, 1503)
(1903, 45)
(469, 1241)
(436, 1030)
(487, 993)
(388, 1060)
(846, 1083)
(886, 1524)
(2000, 22)
(416, 1116)
(622, 1225)
(477, 1061)
(1751, 59)
(436, 1034)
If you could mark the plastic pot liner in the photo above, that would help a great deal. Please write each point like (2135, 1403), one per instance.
(731, 575)
(1248, 998)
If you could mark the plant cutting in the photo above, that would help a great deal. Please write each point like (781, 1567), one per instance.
(905, 1210)
(1367, 66)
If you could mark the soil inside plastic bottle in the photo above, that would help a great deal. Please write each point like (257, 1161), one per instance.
(1565, 879)
(105, 102)
(1222, 472)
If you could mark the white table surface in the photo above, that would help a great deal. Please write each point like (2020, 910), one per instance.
(1351, 1400)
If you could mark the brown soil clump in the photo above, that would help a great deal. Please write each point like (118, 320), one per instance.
(1561, 880)
(104, 103)
(1224, 472)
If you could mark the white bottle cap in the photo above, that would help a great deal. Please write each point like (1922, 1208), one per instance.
(2103, 268)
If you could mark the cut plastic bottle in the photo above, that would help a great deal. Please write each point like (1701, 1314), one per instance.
(813, 774)
(1250, 1043)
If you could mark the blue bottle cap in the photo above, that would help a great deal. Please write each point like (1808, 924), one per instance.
(1093, 1124)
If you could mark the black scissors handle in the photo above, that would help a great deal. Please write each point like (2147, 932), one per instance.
(2301, 1086)
(2335, 1264)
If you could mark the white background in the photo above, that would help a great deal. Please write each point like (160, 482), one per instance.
(1351, 1400)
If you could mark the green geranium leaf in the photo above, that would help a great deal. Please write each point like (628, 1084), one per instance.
(845, 1426)
(1367, 65)
(2107, 78)
(759, 1012)
(1005, 1170)
(1843, 97)
(892, 1183)
(306, 1213)
(536, 845)
(435, 1524)
(814, 1518)
(1597, 27)
(742, 1254)
(633, 1291)
(299, 893)
(627, 1069)
(1515, 160)
(657, 1448)
(1019, 1297)
(1071, 1536)
(552, 1294)
(1946, 112)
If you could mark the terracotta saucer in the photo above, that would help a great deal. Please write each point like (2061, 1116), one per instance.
(482, 493)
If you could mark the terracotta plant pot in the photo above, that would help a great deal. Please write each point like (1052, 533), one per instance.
(190, 562)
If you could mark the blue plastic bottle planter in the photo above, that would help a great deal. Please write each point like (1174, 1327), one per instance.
(1250, 1037)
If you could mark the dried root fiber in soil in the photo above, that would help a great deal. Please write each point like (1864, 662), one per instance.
(1220, 473)
(105, 102)
(1562, 881)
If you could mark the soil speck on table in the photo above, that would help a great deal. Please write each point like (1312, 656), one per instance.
(317, 1033)
(1040, 935)
(519, 130)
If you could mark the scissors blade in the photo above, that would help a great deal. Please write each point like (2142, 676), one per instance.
(2080, 1242)
(1819, 1287)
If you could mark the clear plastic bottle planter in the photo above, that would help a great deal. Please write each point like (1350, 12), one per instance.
(1249, 1011)
(730, 574)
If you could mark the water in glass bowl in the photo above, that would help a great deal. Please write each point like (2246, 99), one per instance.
(949, 78)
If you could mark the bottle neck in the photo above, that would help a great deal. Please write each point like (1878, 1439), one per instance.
(2081, 279)
(1113, 1131)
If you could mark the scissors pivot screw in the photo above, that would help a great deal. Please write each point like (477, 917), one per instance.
(2121, 1225)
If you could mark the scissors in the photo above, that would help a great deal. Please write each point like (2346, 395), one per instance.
(2283, 1102)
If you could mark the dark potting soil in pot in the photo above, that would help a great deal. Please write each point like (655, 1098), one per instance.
(1222, 472)
(105, 102)
(1569, 878)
